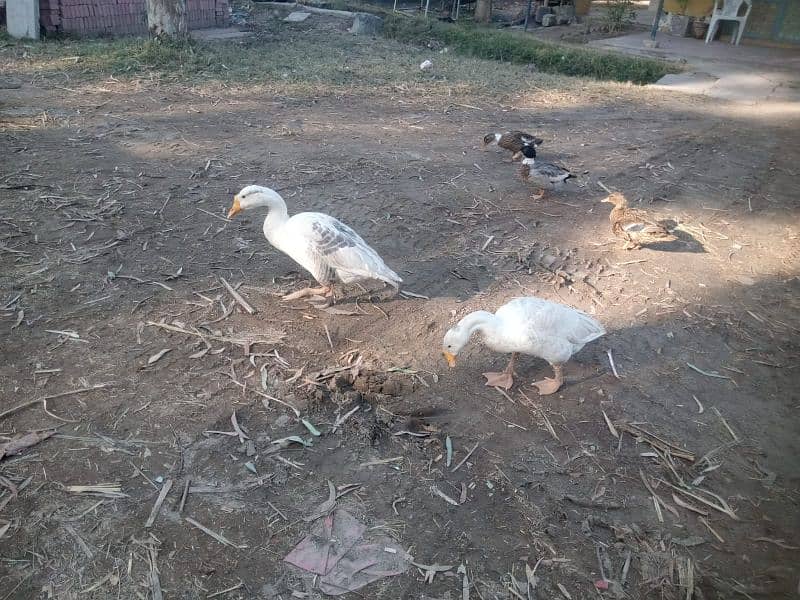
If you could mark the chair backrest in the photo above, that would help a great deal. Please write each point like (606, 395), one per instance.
(730, 8)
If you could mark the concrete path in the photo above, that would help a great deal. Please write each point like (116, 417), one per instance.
(745, 74)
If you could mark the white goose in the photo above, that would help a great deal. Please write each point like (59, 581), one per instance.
(324, 246)
(526, 325)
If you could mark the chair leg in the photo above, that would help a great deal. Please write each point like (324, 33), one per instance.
(711, 29)
(739, 32)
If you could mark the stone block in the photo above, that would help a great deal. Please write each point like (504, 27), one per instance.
(366, 24)
(549, 20)
(22, 18)
(297, 17)
(541, 12)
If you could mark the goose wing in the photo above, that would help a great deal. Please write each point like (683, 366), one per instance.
(333, 246)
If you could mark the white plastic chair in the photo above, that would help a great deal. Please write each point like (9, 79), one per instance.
(729, 12)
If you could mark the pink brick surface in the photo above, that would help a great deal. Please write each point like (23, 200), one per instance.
(121, 16)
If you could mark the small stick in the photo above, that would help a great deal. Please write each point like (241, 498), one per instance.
(688, 506)
(657, 499)
(340, 420)
(275, 508)
(462, 570)
(724, 422)
(658, 509)
(83, 546)
(609, 424)
(624, 576)
(443, 496)
(613, 367)
(463, 460)
(711, 529)
(700, 409)
(44, 399)
(213, 215)
(708, 373)
(382, 461)
(241, 434)
(328, 333)
(603, 185)
(183, 495)
(721, 507)
(238, 297)
(159, 501)
(487, 242)
(230, 589)
(547, 423)
(220, 538)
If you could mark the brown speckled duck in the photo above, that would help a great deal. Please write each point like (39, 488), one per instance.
(633, 224)
(513, 141)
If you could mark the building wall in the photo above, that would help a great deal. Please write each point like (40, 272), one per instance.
(774, 20)
(119, 17)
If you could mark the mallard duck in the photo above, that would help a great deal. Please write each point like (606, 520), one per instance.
(526, 325)
(633, 224)
(548, 175)
(511, 140)
(324, 246)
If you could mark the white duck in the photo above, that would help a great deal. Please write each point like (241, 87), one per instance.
(324, 246)
(526, 325)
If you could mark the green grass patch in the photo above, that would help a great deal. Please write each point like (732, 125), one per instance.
(520, 48)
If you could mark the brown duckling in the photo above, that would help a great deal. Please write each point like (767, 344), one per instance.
(633, 224)
(513, 141)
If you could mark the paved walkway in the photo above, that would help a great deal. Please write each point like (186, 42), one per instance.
(744, 73)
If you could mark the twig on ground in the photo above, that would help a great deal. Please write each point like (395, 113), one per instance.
(44, 400)
(238, 297)
(463, 460)
(613, 366)
(725, 423)
(217, 536)
(159, 501)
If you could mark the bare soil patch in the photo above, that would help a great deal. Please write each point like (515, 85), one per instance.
(114, 190)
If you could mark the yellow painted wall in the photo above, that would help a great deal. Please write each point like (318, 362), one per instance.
(695, 8)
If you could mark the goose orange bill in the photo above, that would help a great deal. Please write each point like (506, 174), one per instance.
(235, 208)
(451, 360)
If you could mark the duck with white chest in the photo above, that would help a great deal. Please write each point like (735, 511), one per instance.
(513, 141)
(547, 175)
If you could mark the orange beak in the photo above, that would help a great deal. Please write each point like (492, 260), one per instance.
(235, 208)
(451, 360)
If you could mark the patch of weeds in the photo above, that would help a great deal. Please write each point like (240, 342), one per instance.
(619, 15)
(522, 49)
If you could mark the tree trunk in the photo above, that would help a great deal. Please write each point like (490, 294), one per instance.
(483, 11)
(166, 18)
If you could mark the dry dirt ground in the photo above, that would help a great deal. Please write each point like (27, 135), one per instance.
(113, 243)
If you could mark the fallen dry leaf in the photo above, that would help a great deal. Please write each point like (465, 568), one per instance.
(18, 444)
(157, 356)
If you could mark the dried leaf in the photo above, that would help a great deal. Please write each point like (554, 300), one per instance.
(564, 591)
(311, 429)
(18, 444)
(610, 425)
(157, 356)
(200, 354)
